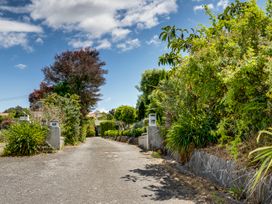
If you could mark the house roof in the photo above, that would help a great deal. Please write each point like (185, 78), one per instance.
(4, 114)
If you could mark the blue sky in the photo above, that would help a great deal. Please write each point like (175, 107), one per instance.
(125, 32)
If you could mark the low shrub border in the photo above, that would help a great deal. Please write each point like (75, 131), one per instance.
(129, 136)
(129, 133)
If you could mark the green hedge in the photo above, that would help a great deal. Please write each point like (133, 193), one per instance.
(112, 133)
(91, 128)
(87, 129)
(83, 131)
(130, 133)
(107, 125)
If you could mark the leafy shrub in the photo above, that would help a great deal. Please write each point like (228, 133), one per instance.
(91, 128)
(130, 133)
(83, 131)
(107, 125)
(137, 132)
(126, 115)
(87, 129)
(71, 123)
(67, 111)
(112, 133)
(91, 133)
(2, 138)
(24, 138)
(194, 130)
(126, 133)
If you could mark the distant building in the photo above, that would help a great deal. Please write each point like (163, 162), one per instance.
(91, 115)
(4, 114)
(24, 118)
(97, 114)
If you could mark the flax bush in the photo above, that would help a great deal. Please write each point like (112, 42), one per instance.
(24, 138)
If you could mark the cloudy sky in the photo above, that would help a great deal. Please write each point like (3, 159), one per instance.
(124, 31)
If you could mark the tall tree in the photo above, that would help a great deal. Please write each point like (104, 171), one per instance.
(77, 72)
(149, 82)
(141, 110)
(126, 115)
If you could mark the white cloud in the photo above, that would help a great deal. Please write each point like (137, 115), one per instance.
(99, 18)
(94, 19)
(129, 44)
(146, 14)
(223, 4)
(201, 7)
(21, 66)
(82, 42)
(15, 26)
(119, 33)
(103, 44)
(79, 43)
(155, 40)
(14, 33)
(39, 40)
(15, 9)
(8, 40)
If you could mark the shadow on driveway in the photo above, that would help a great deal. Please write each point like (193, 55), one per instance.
(166, 187)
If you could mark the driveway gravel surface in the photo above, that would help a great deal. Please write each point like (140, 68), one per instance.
(98, 171)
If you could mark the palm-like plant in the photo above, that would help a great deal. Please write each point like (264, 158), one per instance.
(263, 156)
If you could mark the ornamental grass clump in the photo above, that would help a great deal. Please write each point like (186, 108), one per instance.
(263, 157)
(24, 139)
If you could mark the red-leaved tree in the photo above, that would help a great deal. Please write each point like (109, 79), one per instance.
(77, 72)
(39, 94)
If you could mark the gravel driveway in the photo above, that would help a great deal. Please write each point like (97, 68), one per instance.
(98, 171)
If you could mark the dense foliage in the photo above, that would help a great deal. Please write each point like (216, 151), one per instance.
(134, 132)
(67, 111)
(87, 129)
(107, 125)
(221, 90)
(149, 81)
(24, 138)
(90, 127)
(17, 112)
(77, 72)
(126, 115)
